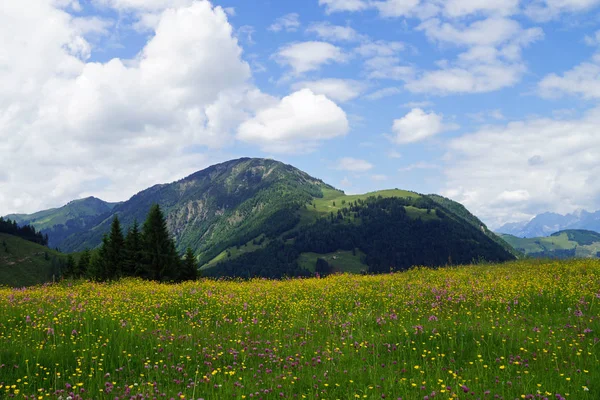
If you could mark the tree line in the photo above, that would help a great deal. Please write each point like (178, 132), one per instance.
(147, 253)
(26, 232)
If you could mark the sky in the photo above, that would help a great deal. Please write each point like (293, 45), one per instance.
(491, 103)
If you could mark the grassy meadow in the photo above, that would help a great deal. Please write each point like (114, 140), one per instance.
(526, 329)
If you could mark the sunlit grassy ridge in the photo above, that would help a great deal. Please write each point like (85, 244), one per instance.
(517, 330)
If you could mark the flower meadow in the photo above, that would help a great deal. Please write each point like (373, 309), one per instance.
(520, 330)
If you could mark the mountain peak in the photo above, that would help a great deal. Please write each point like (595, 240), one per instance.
(547, 223)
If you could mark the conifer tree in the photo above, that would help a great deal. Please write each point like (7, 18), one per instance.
(160, 256)
(84, 264)
(98, 269)
(115, 250)
(189, 270)
(133, 264)
(70, 266)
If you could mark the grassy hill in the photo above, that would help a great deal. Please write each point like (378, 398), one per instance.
(562, 244)
(71, 219)
(24, 263)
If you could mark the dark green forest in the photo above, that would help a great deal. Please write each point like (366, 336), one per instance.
(147, 253)
(379, 227)
(26, 232)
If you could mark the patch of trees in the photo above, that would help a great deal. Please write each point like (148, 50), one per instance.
(275, 261)
(147, 253)
(26, 232)
(390, 238)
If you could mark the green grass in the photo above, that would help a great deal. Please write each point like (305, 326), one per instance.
(23, 263)
(341, 261)
(509, 331)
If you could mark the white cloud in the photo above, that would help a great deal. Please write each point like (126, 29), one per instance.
(384, 92)
(297, 123)
(379, 177)
(526, 167)
(353, 165)
(343, 5)
(419, 165)
(417, 104)
(593, 40)
(582, 80)
(492, 60)
(487, 32)
(418, 125)
(113, 128)
(341, 90)
(462, 8)
(397, 8)
(328, 31)
(544, 10)
(380, 48)
(388, 68)
(394, 154)
(309, 56)
(289, 23)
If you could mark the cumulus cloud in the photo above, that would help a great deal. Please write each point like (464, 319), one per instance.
(492, 60)
(508, 172)
(120, 121)
(328, 31)
(343, 5)
(113, 128)
(384, 92)
(419, 165)
(419, 125)
(353, 165)
(582, 80)
(544, 10)
(297, 123)
(289, 23)
(309, 56)
(341, 90)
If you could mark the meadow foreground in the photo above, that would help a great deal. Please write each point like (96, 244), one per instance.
(526, 329)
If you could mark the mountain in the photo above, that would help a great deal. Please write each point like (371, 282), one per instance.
(24, 263)
(71, 219)
(563, 244)
(254, 216)
(548, 223)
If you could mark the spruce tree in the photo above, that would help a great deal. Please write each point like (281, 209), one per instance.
(133, 264)
(98, 269)
(115, 250)
(189, 270)
(160, 256)
(70, 266)
(84, 264)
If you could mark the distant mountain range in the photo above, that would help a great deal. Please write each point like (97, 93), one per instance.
(563, 244)
(73, 218)
(548, 223)
(254, 216)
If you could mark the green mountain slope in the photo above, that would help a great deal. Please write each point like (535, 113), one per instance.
(60, 223)
(24, 263)
(219, 207)
(562, 244)
(262, 217)
(461, 212)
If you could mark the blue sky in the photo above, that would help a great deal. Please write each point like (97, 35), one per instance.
(493, 104)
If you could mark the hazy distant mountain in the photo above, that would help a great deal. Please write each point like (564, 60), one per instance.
(547, 223)
(255, 216)
(563, 244)
(70, 219)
